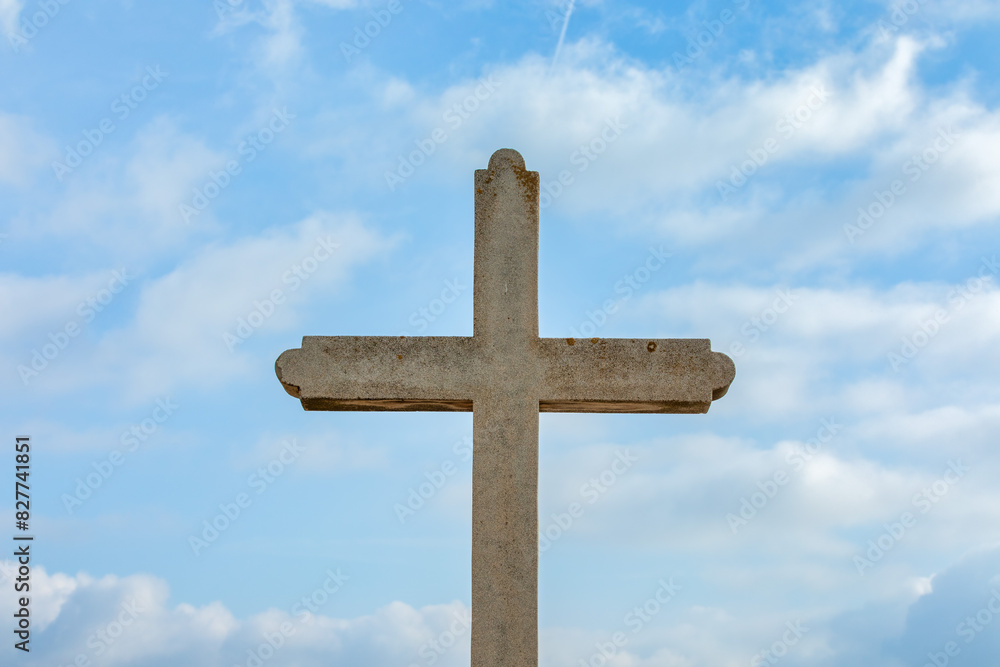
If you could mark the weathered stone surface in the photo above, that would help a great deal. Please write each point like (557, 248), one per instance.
(450, 373)
(506, 375)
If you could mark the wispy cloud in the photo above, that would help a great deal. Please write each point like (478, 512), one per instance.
(562, 33)
(10, 10)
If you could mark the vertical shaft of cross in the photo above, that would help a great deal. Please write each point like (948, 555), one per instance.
(505, 417)
(505, 288)
(505, 531)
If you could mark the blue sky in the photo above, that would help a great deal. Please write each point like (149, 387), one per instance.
(186, 189)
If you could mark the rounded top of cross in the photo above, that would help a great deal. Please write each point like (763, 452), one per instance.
(506, 157)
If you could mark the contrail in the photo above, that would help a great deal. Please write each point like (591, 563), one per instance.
(562, 35)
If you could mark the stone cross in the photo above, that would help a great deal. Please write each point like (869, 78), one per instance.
(505, 374)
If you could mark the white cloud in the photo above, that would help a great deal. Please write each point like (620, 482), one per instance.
(927, 623)
(928, 429)
(669, 514)
(10, 11)
(689, 484)
(23, 150)
(128, 621)
(179, 327)
(810, 356)
(825, 357)
(397, 92)
(946, 12)
(671, 143)
(283, 44)
(48, 320)
(34, 304)
(177, 333)
(663, 172)
(130, 203)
